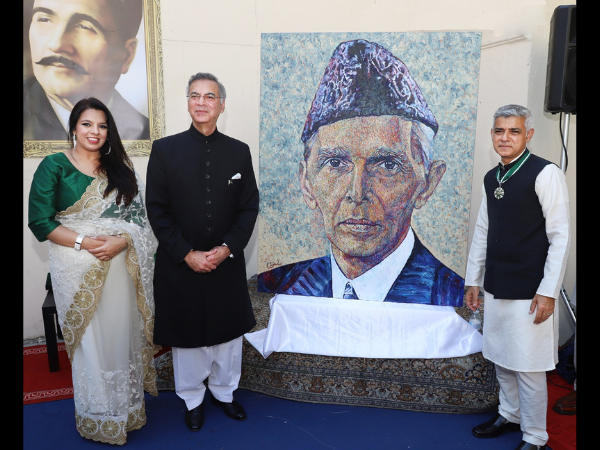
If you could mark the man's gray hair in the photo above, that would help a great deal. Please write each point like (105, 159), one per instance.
(515, 111)
(209, 77)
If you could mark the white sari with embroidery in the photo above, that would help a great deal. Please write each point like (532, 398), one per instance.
(106, 312)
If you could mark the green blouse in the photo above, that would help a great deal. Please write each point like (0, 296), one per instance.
(56, 185)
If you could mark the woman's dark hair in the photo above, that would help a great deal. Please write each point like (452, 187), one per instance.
(116, 165)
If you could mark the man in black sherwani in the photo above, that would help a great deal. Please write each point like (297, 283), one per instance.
(202, 202)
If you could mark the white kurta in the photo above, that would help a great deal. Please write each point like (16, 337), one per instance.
(510, 338)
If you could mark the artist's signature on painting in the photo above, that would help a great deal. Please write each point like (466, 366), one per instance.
(271, 265)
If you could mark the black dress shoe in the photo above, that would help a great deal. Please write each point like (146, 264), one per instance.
(194, 419)
(233, 409)
(528, 446)
(567, 404)
(495, 427)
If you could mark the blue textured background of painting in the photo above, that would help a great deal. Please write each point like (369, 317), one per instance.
(445, 65)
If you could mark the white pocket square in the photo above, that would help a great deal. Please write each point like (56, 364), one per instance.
(237, 176)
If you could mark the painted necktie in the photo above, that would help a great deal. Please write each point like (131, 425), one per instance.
(349, 292)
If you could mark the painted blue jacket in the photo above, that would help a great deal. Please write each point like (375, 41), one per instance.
(424, 279)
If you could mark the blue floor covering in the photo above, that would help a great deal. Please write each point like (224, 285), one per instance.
(272, 424)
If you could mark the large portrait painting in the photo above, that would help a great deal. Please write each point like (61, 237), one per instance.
(108, 49)
(366, 156)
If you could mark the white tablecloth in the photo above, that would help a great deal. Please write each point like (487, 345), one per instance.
(365, 329)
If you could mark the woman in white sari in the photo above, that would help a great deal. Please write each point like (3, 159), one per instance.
(88, 203)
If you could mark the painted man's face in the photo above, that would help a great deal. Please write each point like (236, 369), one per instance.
(366, 179)
(75, 49)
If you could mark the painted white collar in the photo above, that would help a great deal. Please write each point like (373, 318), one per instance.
(375, 283)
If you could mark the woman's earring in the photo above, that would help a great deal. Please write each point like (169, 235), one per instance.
(109, 149)
(74, 138)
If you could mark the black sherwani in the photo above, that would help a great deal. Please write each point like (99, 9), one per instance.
(194, 201)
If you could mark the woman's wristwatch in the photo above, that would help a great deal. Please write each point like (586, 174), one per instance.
(78, 241)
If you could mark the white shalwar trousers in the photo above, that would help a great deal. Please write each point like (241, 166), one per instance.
(221, 364)
(524, 400)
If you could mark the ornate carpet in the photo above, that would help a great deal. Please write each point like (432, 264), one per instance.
(462, 385)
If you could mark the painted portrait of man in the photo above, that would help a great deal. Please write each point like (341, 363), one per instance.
(369, 163)
(78, 49)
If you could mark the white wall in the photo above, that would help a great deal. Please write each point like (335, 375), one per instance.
(224, 38)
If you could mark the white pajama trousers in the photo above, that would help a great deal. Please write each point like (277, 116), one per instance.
(524, 400)
(221, 364)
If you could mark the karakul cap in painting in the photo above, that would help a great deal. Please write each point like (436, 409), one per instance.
(365, 79)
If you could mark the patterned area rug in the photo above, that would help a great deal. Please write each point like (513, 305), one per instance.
(41, 385)
(462, 385)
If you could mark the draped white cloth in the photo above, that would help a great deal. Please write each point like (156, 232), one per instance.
(106, 312)
(365, 329)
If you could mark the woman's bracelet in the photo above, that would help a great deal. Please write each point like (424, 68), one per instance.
(78, 242)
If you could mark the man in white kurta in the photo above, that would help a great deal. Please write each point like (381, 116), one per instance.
(520, 335)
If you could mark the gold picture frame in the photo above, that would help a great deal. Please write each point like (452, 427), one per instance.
(154, 76)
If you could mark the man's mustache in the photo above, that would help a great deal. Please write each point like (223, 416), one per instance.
(61, 60)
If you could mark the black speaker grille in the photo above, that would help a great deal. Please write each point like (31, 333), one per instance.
(569, 94)
(560, 73)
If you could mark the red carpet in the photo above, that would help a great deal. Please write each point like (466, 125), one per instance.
(41, 385)
(561, 428)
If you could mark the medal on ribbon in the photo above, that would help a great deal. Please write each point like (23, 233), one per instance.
(499, 191)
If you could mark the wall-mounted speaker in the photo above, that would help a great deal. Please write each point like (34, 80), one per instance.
(560, 73)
